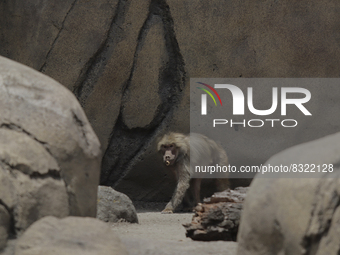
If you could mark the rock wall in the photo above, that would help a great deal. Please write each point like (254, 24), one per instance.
(129, 64)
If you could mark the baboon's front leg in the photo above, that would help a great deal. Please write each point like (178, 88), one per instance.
(182, 186)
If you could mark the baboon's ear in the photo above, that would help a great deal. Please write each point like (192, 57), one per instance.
(183, 143)
(183, 148)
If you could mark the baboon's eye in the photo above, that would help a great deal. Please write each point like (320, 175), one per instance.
(171, 145)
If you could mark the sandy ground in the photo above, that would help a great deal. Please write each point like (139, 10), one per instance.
(156, 226)
(163, 234)
(159, 234)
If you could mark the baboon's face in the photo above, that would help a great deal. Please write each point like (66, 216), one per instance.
(170, 153)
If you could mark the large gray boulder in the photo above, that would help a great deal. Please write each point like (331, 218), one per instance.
(49, 155)
(5, 219)
(287, 215)
(130, 65)
(114, 206)
(71, 235)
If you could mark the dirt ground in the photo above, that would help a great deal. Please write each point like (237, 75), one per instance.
(159, 234)
(163, 234)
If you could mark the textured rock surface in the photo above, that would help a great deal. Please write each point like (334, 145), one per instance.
(130, 67)
(71, 235)
(49, 154)
(295, 215)
(32, 186)
(113, 206)
(218, 218)
(5, 219)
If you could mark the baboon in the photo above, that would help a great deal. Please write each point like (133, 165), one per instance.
(178, 150)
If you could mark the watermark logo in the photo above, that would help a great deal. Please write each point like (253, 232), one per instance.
(204, 97)
(238, 99)
(301, 95)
